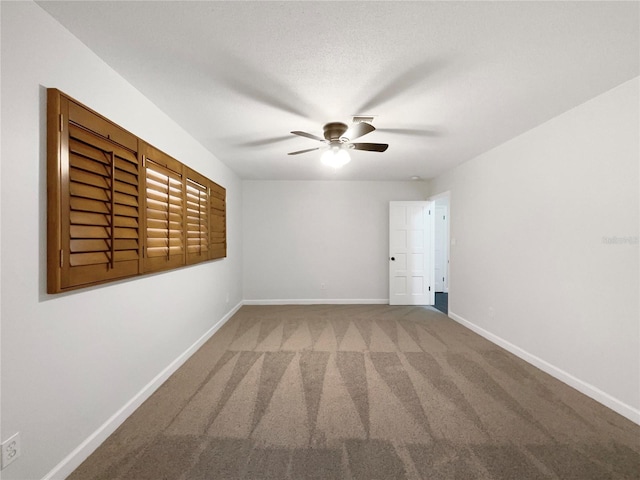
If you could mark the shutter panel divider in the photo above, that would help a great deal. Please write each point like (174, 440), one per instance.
(168, 220)
(113, 210)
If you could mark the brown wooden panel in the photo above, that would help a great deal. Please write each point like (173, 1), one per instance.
(125, 222)
(217, 252)
(90, 120)
(86, 245)
(203, 241)
(218, 204)
(163, 233)
(126, 211)
(192, 222)
(217, 217)
(197, 217)
(87, 205)
(197, 207)
(96, 274)
(127, 244)
(126, 188)
(157, 224)
(127, 164)
(162, 215)
(162, 251)
(164, 184)
(84, 218)
(163, 198)
(162, 242)
(89, 232)
(104, 210)
(198, 231)
(126, 177)
(81, 150)
(84, 135)
(86, 191)
(217, 191)
(217, 224)
(124, 199)
(161, 161)
(125, 232)
(89, 165)
(87, 178)
(160, 173)
(196, 197)
(124, 255)
(94, 258)
(158, 210)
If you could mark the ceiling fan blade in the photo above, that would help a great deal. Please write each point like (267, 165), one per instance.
(264, 141)
(308, 135)
(238, 75)
(412, 131)
(357, 130)
(399, 85)
(303, 151)
(371, 147)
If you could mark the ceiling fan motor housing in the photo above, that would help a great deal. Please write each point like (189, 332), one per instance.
(334, 130)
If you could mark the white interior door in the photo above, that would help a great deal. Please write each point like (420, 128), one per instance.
(411, 253)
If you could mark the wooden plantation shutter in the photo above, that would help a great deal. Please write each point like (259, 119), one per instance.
(164, 215)
(119, 207)
(97, 196)
(218, 219)
(197, 197)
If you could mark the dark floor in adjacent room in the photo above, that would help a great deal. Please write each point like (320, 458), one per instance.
(442, 302)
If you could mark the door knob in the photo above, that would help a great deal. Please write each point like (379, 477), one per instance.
(393, 259)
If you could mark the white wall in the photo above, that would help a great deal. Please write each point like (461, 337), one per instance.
(300, 234)
(71, 361)
(530, 220)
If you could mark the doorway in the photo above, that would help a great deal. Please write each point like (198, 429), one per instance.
(441, 251)
(411, 273)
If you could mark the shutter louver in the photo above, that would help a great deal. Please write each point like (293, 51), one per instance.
(197, 196)
(164, 242)
(218, 221)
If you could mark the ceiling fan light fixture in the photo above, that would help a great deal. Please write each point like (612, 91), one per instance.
(335, 157)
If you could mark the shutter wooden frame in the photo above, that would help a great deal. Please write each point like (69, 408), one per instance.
(217, 221)
(92, 235)
(197, 210)
(160, 167)
(97, 202)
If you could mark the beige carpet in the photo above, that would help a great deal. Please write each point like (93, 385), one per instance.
(363, 392)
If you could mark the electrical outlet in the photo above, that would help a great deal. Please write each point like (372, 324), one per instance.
(323, 286)
(10, 450)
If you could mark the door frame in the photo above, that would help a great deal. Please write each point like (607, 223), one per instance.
(445, 197)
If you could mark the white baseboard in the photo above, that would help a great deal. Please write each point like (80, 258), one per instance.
(320, 301)
(86, 448)
(589, 390)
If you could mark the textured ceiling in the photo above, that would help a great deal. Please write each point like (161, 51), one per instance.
(445, 81)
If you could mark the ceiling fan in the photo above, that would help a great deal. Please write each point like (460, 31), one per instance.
(338, 138)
